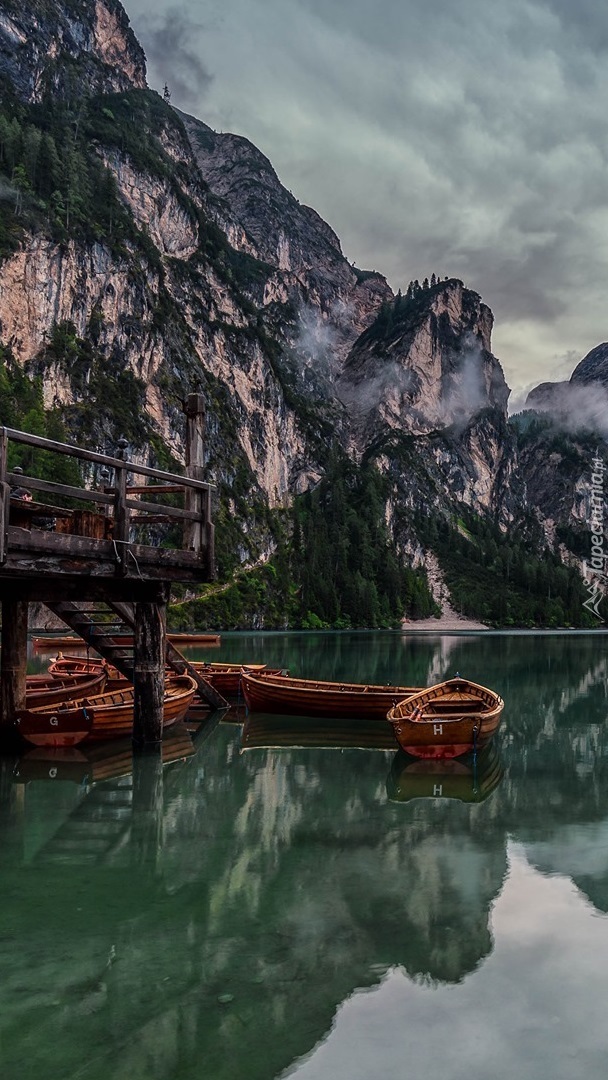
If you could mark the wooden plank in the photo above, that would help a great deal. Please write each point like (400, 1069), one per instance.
(80, 588)
(58, 544)
(13, 661)
(155, 489)
(36, 509)
(102, 459)
(4, 493)
(5, 510)
(158, 508)
(61, 553)
(194, 535)
(3, 455)
(121, 521)
(67, 546)
(60, 489)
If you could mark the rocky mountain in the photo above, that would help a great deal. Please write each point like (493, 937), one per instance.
(582, 400)
(59, 46)
(143, 256)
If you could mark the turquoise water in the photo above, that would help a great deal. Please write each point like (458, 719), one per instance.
(315, 912)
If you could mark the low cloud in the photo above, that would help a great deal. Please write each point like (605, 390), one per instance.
(577, 408)
(466, 393)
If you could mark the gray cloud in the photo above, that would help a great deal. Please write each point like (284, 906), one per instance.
(170, 42)
(465, 139)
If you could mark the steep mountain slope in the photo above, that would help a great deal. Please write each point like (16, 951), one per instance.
(143, 256)
(312, 299)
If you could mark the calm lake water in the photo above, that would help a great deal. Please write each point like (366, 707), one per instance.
(248, 913)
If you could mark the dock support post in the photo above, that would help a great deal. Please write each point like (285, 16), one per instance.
(198, 535)
(149, 671)
(13, 661)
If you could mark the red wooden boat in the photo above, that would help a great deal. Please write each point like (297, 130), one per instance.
(308, 697)
(447, 720)
(226, 678)
(48, 689)
(71, 641)
(63, 666)
(104, 716)
(75, 665)
(48, 726)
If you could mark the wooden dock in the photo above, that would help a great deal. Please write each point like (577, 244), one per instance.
(93, 553)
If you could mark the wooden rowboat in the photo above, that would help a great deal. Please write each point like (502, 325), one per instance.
(308, 697)
(447, 720)
(69, 640)
(226, 678)
(48, 690)
(105, 716)
(471, 779)
(48, 726)
(63, 666)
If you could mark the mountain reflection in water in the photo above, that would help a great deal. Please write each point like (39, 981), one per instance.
(207, 915)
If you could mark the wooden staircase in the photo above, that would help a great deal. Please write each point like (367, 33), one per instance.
(99, 624)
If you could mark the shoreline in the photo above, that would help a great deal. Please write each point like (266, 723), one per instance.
(444, 624)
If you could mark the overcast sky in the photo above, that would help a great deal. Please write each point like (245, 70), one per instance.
(466, 138)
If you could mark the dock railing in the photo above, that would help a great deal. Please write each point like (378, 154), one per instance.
(122, 503)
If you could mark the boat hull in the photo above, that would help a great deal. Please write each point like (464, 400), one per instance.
(449, 720)
(70, 641)
(107, 716)
(49, 690)
(54, 729)
(304, 697)
(227, 678)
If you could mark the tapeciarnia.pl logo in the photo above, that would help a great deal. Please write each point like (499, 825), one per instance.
(594, 571)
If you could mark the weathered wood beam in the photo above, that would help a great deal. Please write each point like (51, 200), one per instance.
(13, 661)
(80, 588)
(155, 489)
(150, 642)
(5, 511)
(5, 493)
(60, 489)
(158, 508)
(195, 533)
(101, 459)
(61, 552)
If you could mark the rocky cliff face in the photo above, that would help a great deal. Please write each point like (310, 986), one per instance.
(427, 366)
(565, 427)
(62, 47)
(208, 274)
(310, 295)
